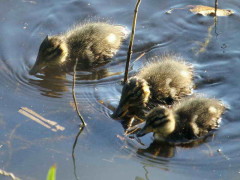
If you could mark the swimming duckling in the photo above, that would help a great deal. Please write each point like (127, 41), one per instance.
(163, 81)
(191, 119)
(90, 43)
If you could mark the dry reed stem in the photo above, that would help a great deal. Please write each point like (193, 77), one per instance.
(131, 41)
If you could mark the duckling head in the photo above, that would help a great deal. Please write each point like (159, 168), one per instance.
(52, 51)
(135, 96)
(160, 121)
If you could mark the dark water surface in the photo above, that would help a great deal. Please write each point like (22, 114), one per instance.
(28, 149)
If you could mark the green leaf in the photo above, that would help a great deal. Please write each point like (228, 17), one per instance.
(139, 178)
(52, 173)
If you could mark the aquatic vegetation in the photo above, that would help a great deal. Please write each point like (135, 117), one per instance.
(210, 11)
(52, 173)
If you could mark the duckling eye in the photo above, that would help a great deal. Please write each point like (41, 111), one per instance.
(130, 96)
(53, 53)
(158, 120)
(139, 93)
(159, 123)
(54, 50)
(134, 95)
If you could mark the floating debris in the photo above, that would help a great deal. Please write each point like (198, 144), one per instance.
(9, 174)
(172, 9)
(221, 153)
(210, 11)
(52, 125)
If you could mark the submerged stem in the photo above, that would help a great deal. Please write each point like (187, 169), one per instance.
(74, 95)
(81, 118)
(215, 17)
(131, 41)
(73, 152)
(216, 7)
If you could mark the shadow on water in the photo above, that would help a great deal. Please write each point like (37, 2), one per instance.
(53, 82)
(166, 150)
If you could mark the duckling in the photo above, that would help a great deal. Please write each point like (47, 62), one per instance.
(90, 43)
(191, 119)
(162, 81)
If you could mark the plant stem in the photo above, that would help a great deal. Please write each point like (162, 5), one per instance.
(215, 17)
(73, 152)
(74, 96)
(131, 41)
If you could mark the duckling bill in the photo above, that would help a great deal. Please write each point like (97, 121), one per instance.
(89, 43)
(163, 81)
(191, 119)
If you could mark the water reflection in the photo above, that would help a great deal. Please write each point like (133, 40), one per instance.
(95, 74)
(167, 150)
(73, 151)
(53, 82)
(158, 149)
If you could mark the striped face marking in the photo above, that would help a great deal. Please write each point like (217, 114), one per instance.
(157, 119)
(64, 52)
(136, 92)
(135, 95)
(53, 50)
(161, 121)
(146, 92)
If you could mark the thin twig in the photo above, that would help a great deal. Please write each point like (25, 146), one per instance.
(73, 152)
(216, 7)
(131, 41)
(139, 57)
(215, 17)
(74, 96)
(9, 174)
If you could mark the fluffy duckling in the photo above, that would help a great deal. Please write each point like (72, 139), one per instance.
(191, 119)
(90, 43)
(161, 82)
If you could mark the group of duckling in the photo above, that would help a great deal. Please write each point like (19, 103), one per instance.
(157, 94)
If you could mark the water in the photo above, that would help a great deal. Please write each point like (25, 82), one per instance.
(103, 152)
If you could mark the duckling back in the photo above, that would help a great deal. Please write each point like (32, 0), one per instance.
(169, 77)
(197, 116)
(95, 41)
